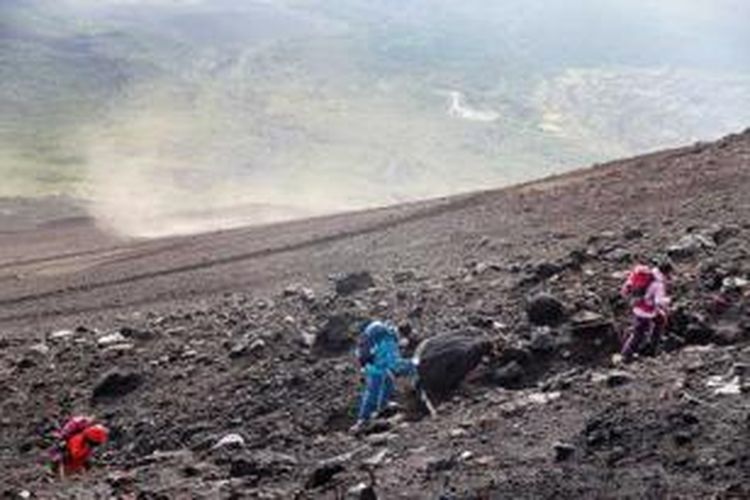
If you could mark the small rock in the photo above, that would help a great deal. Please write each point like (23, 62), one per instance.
(361, 491)
(617, 378)
(542, 341)
(308, 338)
(404, 276)
(440, 464)
(509, 375)
(306, 294)
(720, 234)
(541, 398)
(39, 348)
(119, 348)
(545, 270)
(563, 451)
(246, 346)
(740, 369)
(258, 464)
(690, 245)
(618, 254)
(480, 321)
(457, 432)
(732, 387)
(120, 479)
(585, 317)
(61, 335)
(481, 268)
(733, 283)
(230, 441)
(353, 282)
(111, 339)
(632, 234)
(25, 363)
(137, 334)
(323, 473)
(376, 459)
(116, 383)
(381, 438)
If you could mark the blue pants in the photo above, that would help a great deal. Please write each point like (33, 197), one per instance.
(378, 391)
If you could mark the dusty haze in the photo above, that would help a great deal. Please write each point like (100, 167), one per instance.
(180, 116)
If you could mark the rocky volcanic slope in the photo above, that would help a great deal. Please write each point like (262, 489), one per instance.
(222, 363)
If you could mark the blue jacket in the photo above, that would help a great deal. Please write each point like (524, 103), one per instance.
(379, 352)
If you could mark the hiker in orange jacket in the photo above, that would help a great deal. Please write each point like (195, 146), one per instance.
(76, 443)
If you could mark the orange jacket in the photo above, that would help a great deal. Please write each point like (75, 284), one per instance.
(78, 454)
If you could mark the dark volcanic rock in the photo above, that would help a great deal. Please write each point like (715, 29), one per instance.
(545, 270)
(116, 383)
(545, 310)
(542, 341)
(362, 491)
(721, 234)
(509, 375)
(445, 360)
(259, 464)
(440, 464)
(137, 334)
(323, 473)
(632, 234)
(563, 451)
(337, 335)
(353, 282)
(592, 337)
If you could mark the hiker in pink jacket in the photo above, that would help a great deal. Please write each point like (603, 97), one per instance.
(647, 288)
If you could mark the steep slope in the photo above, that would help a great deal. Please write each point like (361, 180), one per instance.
(218, 334)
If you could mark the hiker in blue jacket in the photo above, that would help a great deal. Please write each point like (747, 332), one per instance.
(380, 358)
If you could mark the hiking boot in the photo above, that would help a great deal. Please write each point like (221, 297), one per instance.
(358, 428)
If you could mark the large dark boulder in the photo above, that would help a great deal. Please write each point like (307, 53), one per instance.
(592, 337)
(445, 360)
(545, 310)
